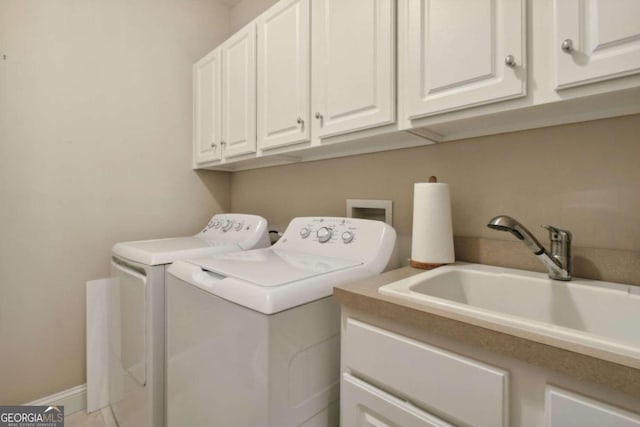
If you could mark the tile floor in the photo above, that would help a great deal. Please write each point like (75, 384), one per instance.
(101, 418)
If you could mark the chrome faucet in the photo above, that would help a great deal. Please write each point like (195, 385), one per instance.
(558, 262)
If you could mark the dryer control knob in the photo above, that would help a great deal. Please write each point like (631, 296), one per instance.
(304, 232)
(323, 234)
(216, 224)
(227, 224)
(347, 237)
(238, 226)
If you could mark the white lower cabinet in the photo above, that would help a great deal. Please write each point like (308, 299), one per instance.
(455, 388)
(425, 379)
(567, 409)
(364, 405)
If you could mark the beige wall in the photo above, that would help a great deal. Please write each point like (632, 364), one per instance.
(583, 177)
(247, 10)
(95, 148)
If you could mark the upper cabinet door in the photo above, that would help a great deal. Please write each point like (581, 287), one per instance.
(206, 108)
(353, 65)
(283, 74)
(596, 40)
(239, 92)
(462, 53)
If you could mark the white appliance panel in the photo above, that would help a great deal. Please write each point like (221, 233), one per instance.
(260, 346)
(223, 233)
(228, 365)
(136, 344)
(165, 251)
(137, 311)
(312, 256)
(272, 267)
(132, 302)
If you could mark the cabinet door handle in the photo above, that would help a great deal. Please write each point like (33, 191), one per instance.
(567, 46)
(510, 61)
(213, 145)
(318, 116)
(300, 121)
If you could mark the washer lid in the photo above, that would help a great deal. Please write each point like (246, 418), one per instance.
(272, 267)
(166, 251)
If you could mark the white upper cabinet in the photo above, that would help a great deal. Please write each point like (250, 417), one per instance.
(596, 40)
(353, 65)
(313, 79)
(239, 93)
(283, 75)
(462, 53)
(206, 108)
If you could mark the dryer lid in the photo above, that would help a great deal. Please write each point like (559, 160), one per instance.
(272, 267)
(166, 251)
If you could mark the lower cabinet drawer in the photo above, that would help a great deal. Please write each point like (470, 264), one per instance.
(362, 405)
(459, 389)
(567, 409)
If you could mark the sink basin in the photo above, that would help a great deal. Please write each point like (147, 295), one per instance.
(593, 314)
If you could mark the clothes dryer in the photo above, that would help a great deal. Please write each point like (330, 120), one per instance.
(253, 338)
(137, 310)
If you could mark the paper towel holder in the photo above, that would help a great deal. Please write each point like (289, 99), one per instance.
(379, 210)
(425, 265)
(422, 264)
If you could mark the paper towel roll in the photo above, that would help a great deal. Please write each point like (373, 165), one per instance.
(432, 237)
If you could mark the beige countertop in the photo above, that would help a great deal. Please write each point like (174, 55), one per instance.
(585, 363)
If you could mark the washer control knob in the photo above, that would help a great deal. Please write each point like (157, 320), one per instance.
(216, 224)
(347, 237)
(227, 224)
(238, 226)
(304, 232)
(323, 234)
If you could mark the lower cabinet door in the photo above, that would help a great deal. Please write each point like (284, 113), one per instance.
(567, 409)
(463, 390)
(363, 405)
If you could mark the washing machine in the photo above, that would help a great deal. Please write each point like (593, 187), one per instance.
(137, 310)
(253, 338)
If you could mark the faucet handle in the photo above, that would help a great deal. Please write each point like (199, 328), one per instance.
(558, 235)
(560, 252)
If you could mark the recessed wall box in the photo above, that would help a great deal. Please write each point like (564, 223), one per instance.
(379, 210)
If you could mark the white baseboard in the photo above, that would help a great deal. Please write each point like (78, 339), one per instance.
(73, 399)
